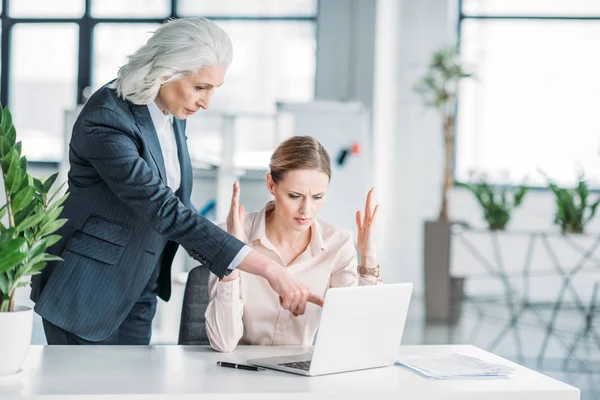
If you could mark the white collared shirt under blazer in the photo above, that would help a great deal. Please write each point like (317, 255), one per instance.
(246, 310)
(163, 124)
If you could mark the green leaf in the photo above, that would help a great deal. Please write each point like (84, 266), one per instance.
(13, 174)
(5, 146)
(38, 267)
(23, 284)
(19, 178)
(52, 239)
(6, 120)
(6, 160)
(24, 182)
(31, 221)
(25, 212)
(58, 202)
(50, 257)
(39, 186)
(10, 246)
(49, 182)
(18, 147)
(11, 135)
(58, 190)
(52, 215)
(6, 237)
(38, 248)
(23, 161)
(52, 227)
(11, 261)
(4, 283)
(22, 199)
(30, 266)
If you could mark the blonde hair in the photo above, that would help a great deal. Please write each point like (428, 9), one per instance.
(299, 152)
(177, 48)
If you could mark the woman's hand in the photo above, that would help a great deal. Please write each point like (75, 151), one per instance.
(366, 233)
(235, 224)
(237, 215)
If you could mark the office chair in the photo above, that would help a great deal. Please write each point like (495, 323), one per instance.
(192, 330)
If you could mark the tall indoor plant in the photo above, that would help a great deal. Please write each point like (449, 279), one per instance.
(28, 220)
(438, 89)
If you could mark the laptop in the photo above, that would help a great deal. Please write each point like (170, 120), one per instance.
(361, 327)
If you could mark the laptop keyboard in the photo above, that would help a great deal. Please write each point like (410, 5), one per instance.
(303, 365)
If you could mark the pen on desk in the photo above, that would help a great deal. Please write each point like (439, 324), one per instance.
(239, 366)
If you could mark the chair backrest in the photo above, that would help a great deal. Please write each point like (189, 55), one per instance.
(192, 330)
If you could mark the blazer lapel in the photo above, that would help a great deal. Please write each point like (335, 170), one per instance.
(184, 161)
(146, 126)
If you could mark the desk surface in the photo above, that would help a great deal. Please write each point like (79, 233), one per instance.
(178, 372)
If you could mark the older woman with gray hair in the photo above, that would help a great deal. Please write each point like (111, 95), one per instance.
(129, 208)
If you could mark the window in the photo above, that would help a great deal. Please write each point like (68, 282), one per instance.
(45, 8)
(533, 104)
(534, 8)
(44, 78)
(60, 51)
(256, 8)
(131, 8)
(272, 61)
(112, 44)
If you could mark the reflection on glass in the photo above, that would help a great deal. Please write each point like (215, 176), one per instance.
(131, 8)
(46, 8)
(112, 44)
(43, 85)
(534, 102)
(265, 8)
(532, 7)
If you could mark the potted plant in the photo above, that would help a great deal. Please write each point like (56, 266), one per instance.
(573, 209)
(495, 201)
(438, 89)
(28, 220)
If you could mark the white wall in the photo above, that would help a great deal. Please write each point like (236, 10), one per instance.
(345, 50)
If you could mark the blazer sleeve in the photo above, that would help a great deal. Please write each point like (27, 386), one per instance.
(107, 140)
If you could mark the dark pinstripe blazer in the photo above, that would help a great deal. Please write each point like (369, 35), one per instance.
(123, 220)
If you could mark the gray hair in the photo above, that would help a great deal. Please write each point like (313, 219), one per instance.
(177, 48)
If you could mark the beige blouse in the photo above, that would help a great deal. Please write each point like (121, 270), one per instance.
(247, 311)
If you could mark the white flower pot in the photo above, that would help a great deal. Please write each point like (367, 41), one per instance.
(15, 338)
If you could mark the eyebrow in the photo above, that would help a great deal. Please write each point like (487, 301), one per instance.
(209, 85)
(300, 194)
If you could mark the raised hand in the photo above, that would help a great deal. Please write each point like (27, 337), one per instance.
(366, 233)
(237, 215)
(235, 224)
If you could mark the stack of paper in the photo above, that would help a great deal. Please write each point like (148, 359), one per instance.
(453, 366)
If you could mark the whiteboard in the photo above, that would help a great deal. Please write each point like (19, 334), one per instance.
(337, 126)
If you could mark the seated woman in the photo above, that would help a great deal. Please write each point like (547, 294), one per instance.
(243, 309)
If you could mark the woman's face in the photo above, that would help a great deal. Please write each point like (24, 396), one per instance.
(187, 95)
(299, 197)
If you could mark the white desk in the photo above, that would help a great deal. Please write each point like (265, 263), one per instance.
(184, 372)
